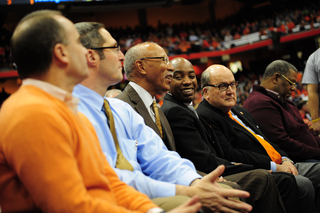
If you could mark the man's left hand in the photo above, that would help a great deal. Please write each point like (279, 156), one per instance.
(292, 168)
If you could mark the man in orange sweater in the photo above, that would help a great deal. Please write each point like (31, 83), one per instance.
(50, 158)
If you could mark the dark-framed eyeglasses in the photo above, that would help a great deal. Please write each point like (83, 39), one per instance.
(164, 59)
(290, 82)
(225, 86)
(117, 48)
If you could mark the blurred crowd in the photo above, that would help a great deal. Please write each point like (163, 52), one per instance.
(5, 56)
(193, 37)
(208, 36)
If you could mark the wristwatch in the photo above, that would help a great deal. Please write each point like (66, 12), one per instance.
(287, 159)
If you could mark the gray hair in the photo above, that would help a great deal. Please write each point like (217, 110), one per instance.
(278, 66)
(205, 78)
(134, 53)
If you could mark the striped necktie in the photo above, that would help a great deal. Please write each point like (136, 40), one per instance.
(273, 154)
(122, 162)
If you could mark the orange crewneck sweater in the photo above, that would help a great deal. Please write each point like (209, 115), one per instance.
(50, 159)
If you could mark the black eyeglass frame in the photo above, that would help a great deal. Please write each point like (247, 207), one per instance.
(235, 83)
(102, 48)
(164, 59)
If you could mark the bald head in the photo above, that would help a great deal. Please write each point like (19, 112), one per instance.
(147, 65)
(179, 61)
(214, 71)
(219, 87)
(146, 49)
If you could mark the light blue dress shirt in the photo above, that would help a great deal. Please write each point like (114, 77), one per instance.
(156, 169)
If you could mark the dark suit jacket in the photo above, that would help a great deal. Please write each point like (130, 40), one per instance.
(237, 143)
(130, 96)
(195, 140)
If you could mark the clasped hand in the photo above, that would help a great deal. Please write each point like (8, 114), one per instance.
(214, 196)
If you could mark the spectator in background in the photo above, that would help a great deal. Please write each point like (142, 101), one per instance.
(304, 112)
(112, 93)
(227, 40)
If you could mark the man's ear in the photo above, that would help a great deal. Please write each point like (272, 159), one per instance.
(60, 53)
(92, 58)
(205, 92)
(141, 67)
(275, 77)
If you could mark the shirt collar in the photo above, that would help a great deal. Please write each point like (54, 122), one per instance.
(144, 95)
(89, 96)
(273, 92)
(189, 104)
(57, 92)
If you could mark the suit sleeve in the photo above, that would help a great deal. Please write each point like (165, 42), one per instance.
(235, 154)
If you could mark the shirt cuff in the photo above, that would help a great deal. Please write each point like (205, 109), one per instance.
(273, 166)
(155, 210)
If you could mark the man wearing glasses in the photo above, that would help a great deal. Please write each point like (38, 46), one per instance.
(134, 150)
(148, 69)
(196, 141)
(278, 117)
(242, 139)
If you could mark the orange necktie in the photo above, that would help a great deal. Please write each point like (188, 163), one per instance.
(273, 154)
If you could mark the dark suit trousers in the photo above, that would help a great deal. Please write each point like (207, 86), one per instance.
(264, 193)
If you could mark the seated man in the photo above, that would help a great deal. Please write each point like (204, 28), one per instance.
(195, 139)
(134, 150)
(50, 158)
(239, 136)
(279, 118)
(149, 72)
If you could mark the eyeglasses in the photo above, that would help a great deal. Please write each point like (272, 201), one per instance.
(290, 82)
(225, 86)
(164, 59)
(117, 48)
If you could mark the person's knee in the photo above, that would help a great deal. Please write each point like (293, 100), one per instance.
(305, 186)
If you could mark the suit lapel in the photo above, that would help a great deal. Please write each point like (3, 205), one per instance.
(248, 123)
(234, 124)
(140, 107)
(166, 129)
(246, 120)
(210, 135)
